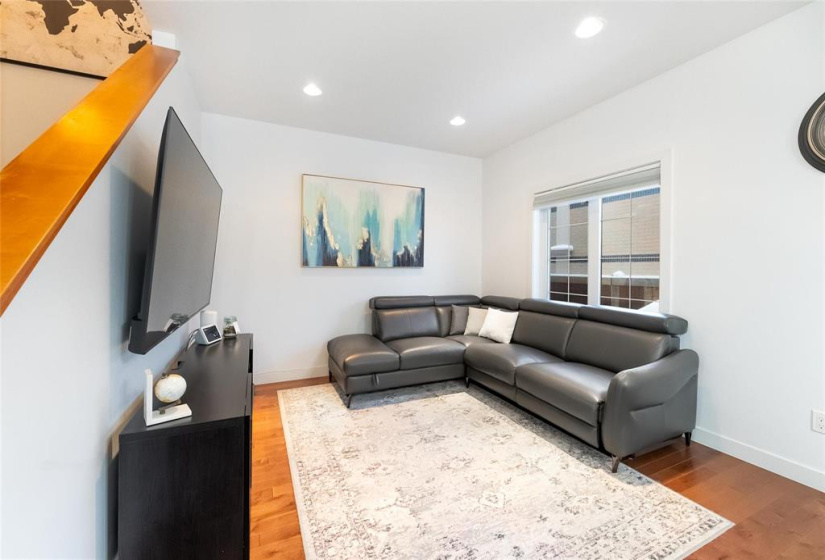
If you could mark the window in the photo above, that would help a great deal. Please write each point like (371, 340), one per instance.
(630, 249)
(568, 232)
(599, 242)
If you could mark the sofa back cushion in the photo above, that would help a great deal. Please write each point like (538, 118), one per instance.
(392, 324)
(549, 333)
(459, 319)
(615, 348)
(445, 319)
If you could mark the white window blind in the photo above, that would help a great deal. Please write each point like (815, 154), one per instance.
(639, 177)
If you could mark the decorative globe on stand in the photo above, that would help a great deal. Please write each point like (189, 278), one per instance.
(170, 388)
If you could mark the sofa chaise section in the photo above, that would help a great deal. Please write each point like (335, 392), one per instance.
(408, 346)
(359, 355)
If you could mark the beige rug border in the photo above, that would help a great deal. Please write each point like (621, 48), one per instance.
(306, 530)
(303, 521)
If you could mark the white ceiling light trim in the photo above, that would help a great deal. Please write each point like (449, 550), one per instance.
(457, 121)
(312, 90)
(590, 27)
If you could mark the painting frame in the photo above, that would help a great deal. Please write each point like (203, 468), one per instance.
(399, 205)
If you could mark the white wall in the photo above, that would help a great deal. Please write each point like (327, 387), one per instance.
(31, 100)
(66, 378)
(293, 311)
(747, 227)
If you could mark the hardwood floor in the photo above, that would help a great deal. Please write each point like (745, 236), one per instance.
(775, 517)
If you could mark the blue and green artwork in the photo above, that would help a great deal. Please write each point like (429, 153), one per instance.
(348, 224)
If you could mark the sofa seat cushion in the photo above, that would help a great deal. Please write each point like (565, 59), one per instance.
(427, 351)
(362, 354)
(501, 360)
(468, 340)
(577, 389)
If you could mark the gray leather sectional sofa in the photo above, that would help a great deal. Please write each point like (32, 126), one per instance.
(615, 379)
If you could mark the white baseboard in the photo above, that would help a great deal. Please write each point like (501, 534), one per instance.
(769, 461)
(263, 378)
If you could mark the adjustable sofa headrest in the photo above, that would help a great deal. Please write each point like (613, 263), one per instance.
(457, 300)
(651, 322)
(501, 302)
(396, 302)
(548, 307)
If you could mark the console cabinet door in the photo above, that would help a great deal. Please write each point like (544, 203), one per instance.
(185, 496)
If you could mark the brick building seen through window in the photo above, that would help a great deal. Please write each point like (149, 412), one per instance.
(628, 236)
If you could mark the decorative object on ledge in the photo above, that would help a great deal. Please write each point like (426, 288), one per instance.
(812, 135)
(170, 388)
(31, 216)
(89, 37)
(209, 317)
(348, 223)
(163, 414)
(231, 329)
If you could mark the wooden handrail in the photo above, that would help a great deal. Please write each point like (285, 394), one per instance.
(41, 187)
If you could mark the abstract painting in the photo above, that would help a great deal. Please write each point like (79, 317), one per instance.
(91, 37)
(348, 224)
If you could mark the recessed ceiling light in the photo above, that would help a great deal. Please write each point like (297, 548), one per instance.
(457, 121)
(312, 90)
(590, 27)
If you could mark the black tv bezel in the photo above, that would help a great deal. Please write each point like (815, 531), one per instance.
(140, 340)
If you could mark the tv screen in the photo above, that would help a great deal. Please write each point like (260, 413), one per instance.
(181, 255)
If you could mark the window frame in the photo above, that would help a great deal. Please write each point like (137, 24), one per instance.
(541, 256)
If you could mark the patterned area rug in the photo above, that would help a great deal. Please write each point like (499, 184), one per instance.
(444, 472)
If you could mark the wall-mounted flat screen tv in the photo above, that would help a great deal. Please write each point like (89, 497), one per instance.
(181, 256)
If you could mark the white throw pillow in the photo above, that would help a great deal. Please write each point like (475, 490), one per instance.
(499, 325)
(475, 320)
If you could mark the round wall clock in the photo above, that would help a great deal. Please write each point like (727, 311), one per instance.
(812, 135)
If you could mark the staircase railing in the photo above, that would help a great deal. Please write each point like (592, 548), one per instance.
(41, 187)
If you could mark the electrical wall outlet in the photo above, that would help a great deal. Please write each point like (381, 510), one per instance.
(818, 421)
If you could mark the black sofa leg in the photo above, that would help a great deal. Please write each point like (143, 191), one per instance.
(615, 467)
(347, 400)
(330, 377)
(687, 438)
(466, 381)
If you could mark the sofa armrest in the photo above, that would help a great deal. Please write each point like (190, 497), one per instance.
(362, 354)
(650, 404)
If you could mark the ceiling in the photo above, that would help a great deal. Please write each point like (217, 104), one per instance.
(399, 71)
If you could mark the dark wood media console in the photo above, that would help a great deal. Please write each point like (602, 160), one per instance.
(183, 486)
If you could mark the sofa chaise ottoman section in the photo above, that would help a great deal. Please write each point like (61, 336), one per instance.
(362, 354)
(406, 347)
(359, 355)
